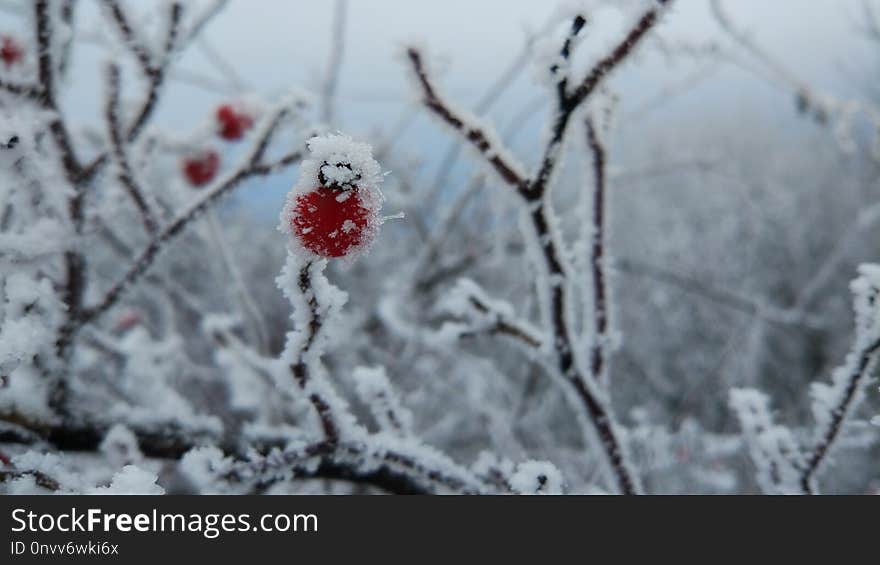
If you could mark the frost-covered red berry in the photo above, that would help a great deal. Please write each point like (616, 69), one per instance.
(331, 222)
(333, 211)
(201, 168)
(233, 121)
(11, 51)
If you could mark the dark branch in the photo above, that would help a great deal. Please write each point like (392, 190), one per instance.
(251, 166)
(156, 74)
(300, 368)
(619, 54)
(568, 103)
(478, 138)
(838, 415)
(126, 174)
(598, 349)
(534, 190)
(28, 91)
(502, 325)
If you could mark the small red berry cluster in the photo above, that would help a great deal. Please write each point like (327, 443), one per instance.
(200, 167)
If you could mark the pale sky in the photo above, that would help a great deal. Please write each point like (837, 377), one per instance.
(275, 44)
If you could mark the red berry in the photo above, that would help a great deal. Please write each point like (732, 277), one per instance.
(331, 222)
(200, 168)
(233, 122)
(10, 51)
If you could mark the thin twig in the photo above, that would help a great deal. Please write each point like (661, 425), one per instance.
(599, 347)
(252, 165)
(300, 367)
(126, 174)
(867, 357)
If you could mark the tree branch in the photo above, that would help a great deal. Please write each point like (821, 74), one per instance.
(126, 175)
(865, 359)
(251, 165)
(483, 141)
(599, 347)
(568, 103)
(300, 367)
(534, 191)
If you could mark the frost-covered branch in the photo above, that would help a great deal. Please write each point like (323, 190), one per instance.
(306, 353)
(18, 89)
(120, 155)
(833, 404)
(785, 466)
(554, 294)
(568, 102)
(375, 390)
(772, 447)
(468, 301)
(40, 479)
(491, 95)
(478, 135)
(153, 66)
(253, 164)
(317, 305)
(599, 347)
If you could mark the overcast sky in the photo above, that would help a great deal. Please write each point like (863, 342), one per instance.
(272, 41)
(275, 44)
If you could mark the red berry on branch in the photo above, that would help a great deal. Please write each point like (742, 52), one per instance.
(333, 209)
(201, 168)
(330, 222)
(10, 51)
(232, 122)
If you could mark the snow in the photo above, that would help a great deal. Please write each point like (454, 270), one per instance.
(120, 446)
(204, 467)
(375, 391)
(773, 447)
(131, 480)
(537, 477)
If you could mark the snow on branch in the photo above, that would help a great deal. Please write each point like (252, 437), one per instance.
(479, 135)
(581, 380)
(772, 447)
(482, 314)
(252, 164)
(375, 390)
(126, 174)
(316, 306)
(568, 102)
(345, 446)
(834, 403)
(18, 89)
(152, 65)
(785, 466)
(598, 275)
